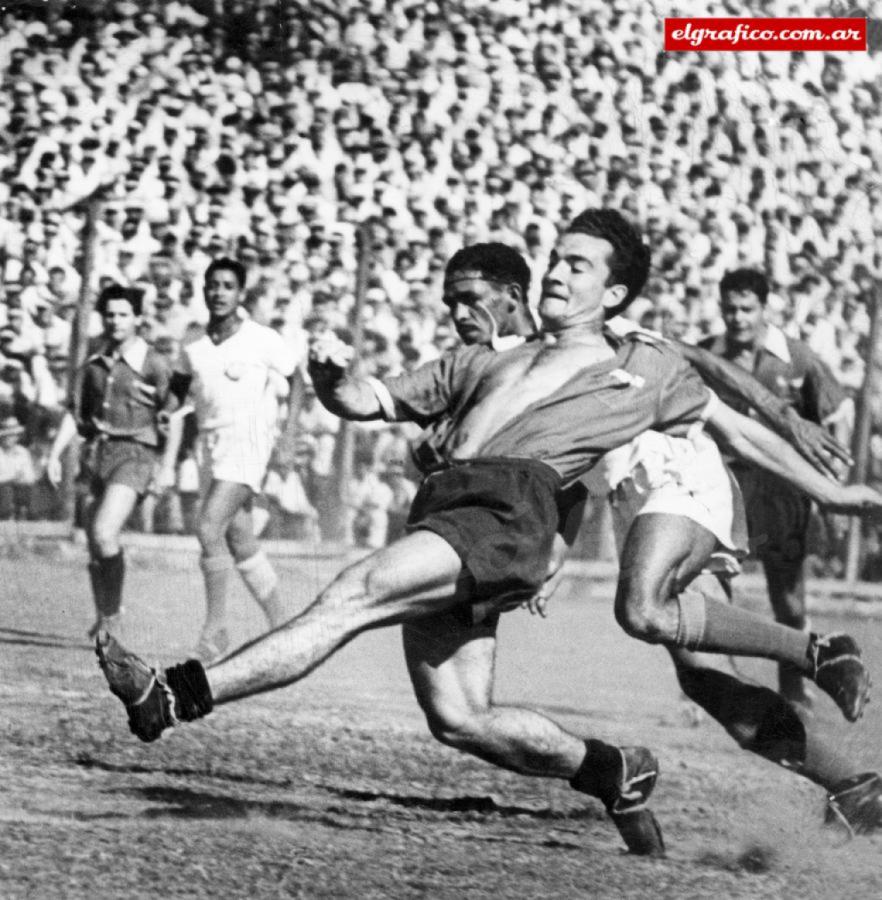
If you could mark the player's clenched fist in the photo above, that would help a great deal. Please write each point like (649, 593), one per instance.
(327, 352)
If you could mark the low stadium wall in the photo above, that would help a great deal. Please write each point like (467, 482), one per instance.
(824, 596)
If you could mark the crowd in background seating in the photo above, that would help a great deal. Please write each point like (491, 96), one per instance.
(271, 130)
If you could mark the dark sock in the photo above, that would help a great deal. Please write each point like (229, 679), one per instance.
(99, 592)
(759, 719)
(113, 570)
(599, 771)
(189, 684)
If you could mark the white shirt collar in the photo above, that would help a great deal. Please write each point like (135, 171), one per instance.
(134, 355)
(507, 343)
(776, 343)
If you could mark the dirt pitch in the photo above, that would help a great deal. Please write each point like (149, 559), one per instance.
(333, 787)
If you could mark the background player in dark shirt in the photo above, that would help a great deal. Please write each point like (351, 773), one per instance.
(123, 388)
(777, 514)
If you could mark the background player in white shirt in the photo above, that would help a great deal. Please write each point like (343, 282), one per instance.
(235, 376)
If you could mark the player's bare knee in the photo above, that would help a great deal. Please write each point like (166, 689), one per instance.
(639, 613)
(105, 540)
(454, 725)
(210, 539)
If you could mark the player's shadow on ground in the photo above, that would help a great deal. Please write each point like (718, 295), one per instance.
(190, 804)
(484, 805)
(39, 639)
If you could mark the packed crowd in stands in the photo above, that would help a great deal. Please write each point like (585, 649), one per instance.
(270, 130)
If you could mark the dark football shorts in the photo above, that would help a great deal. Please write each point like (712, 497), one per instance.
(121, 461)
(778, 516)
(500, 516)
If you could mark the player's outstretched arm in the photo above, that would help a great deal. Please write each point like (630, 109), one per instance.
(344, 395)
(813, 441)
(753, 442)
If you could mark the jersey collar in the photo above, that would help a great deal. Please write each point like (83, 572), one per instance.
(775, 343)
(509, 342)
(133, 356)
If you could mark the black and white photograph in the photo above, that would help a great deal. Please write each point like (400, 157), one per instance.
(440, 449)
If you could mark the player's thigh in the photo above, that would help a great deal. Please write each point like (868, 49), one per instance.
(450, 664)
(110, 514)
(663, 552)
(420, 569)
(222, 501)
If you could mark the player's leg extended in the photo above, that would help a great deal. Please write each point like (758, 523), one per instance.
(253, 565)
(654, 604)
(395, 584)
(107, 518)
(451, 669)
(412, 577)
(222, 501)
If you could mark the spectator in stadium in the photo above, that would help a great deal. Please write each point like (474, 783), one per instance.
(368, 500)
(317, 429)
(17, 475)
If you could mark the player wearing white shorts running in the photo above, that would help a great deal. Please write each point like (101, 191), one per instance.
(235, 376)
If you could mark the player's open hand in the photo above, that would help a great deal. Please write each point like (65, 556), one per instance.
(538, 603)
(818, 446)
(329, 354)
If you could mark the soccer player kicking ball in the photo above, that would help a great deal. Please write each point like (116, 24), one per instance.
(518, 427)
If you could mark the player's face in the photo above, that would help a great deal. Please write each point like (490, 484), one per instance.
(120, 321)
(222, 293)
(475, 304)
(743, 316)
(574, 289)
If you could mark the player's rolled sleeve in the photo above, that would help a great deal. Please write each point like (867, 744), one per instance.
(427, 392)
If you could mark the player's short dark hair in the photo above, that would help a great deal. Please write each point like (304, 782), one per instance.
(629, 262)
(496, 262)
(752, 280)
(133, 296)
(228, 264)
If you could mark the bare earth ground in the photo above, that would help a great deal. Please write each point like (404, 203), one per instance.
(333, 787)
